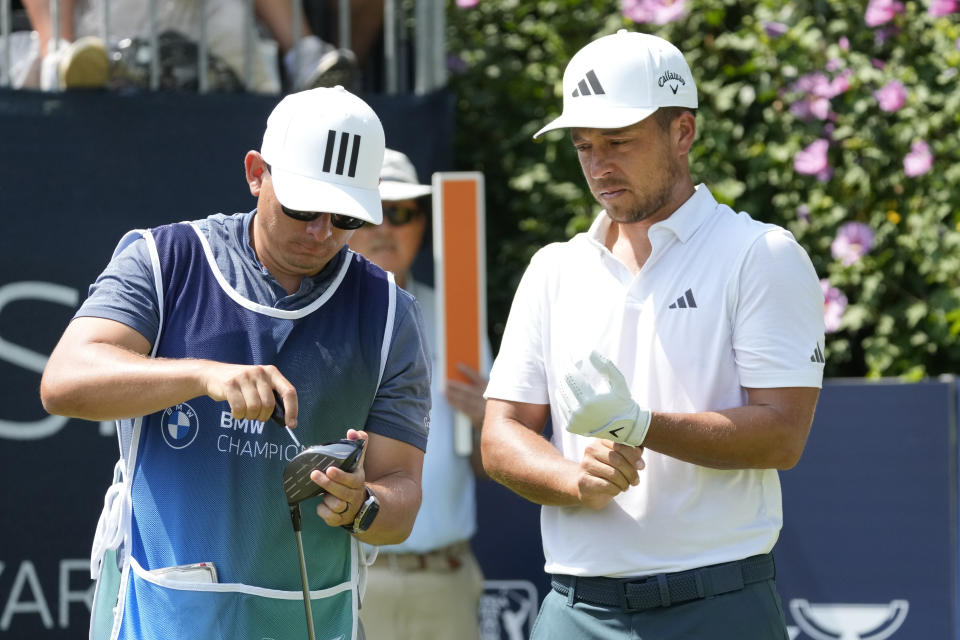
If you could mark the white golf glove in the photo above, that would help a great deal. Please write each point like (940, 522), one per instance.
(595, 396)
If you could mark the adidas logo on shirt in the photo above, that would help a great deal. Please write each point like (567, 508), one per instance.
(685, 301)
(589, 81)
(817, 355)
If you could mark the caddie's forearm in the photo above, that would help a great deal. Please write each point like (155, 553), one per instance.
(399, 496)
(107, 382)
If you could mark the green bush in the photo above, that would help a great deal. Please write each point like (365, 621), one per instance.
(759, 107)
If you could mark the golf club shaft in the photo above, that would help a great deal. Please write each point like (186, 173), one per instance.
(306, 587)
(295, 441)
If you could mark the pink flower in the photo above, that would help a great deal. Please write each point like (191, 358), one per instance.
(880, 36)
(881, 11)
(919, 160)
(467, 4)
(853, 241)
(834, 304)
(891, 96)
(844, 43)
(939, 8)
(803, 213)
(812, 161)
(809, 108)
(840, 83)
(655, 11)
(775, 29)
(820, 85)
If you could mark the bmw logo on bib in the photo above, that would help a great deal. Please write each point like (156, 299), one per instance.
(180, 425)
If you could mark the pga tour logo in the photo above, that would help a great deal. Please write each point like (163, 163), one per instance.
(180, 426)
(508, 609)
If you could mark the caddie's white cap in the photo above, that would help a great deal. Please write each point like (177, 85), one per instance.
(620, 79)
(398, 178)
(324, 147)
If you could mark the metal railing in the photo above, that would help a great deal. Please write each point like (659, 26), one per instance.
(429, 50)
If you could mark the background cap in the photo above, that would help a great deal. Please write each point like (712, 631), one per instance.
(398, 178)
(325, 147)
(620, 79)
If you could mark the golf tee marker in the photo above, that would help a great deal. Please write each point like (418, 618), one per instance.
(459, 253)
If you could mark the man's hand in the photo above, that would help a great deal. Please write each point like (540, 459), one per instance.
(596, 397)
(607, 470)
(345, 491)
(467, 397)
(249, 390)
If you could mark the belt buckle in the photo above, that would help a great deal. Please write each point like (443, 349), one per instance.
(623, 588)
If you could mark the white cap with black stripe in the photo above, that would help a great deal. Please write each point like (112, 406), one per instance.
(325, 147)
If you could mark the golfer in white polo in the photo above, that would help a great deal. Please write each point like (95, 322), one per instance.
(677, 348)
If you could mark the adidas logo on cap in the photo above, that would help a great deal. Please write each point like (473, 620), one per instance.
(589, 81)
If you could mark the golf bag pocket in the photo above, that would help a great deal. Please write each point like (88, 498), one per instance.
(158, 607)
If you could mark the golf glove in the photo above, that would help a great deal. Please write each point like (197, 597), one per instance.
(595, 396)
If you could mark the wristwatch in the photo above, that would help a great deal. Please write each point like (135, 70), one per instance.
(366, 515)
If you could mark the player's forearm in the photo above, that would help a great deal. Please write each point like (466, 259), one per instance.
(99, 381)
(749, 437)
(527, 464)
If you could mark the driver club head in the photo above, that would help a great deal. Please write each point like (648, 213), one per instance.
(297, 485)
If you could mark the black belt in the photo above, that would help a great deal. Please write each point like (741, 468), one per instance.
(665, 589)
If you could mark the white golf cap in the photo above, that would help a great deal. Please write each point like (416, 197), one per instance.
(398, 178)
(620, 79)
(324, 147)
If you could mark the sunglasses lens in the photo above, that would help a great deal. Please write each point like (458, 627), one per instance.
(338, 220)
(341, 221)
(398, 215)
(303, 216)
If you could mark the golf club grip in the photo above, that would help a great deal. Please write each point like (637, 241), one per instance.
(279, 414)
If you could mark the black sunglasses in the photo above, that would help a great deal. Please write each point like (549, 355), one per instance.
(339, 220)
(399, 216)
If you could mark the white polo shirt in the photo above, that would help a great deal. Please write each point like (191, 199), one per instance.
(723, 303)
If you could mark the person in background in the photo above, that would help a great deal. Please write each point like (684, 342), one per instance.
(429, 586)
(675, 346)
(80, 59)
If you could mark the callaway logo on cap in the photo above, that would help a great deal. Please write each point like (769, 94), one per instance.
(620, 79)
(325, 147)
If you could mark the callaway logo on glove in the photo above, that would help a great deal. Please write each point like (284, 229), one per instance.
(595, 396)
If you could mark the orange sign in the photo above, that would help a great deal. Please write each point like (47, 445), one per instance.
(459, 250)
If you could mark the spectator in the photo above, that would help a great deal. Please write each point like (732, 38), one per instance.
(83, 63)
(428, 587)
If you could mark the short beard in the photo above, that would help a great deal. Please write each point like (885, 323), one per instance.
(653, 203)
